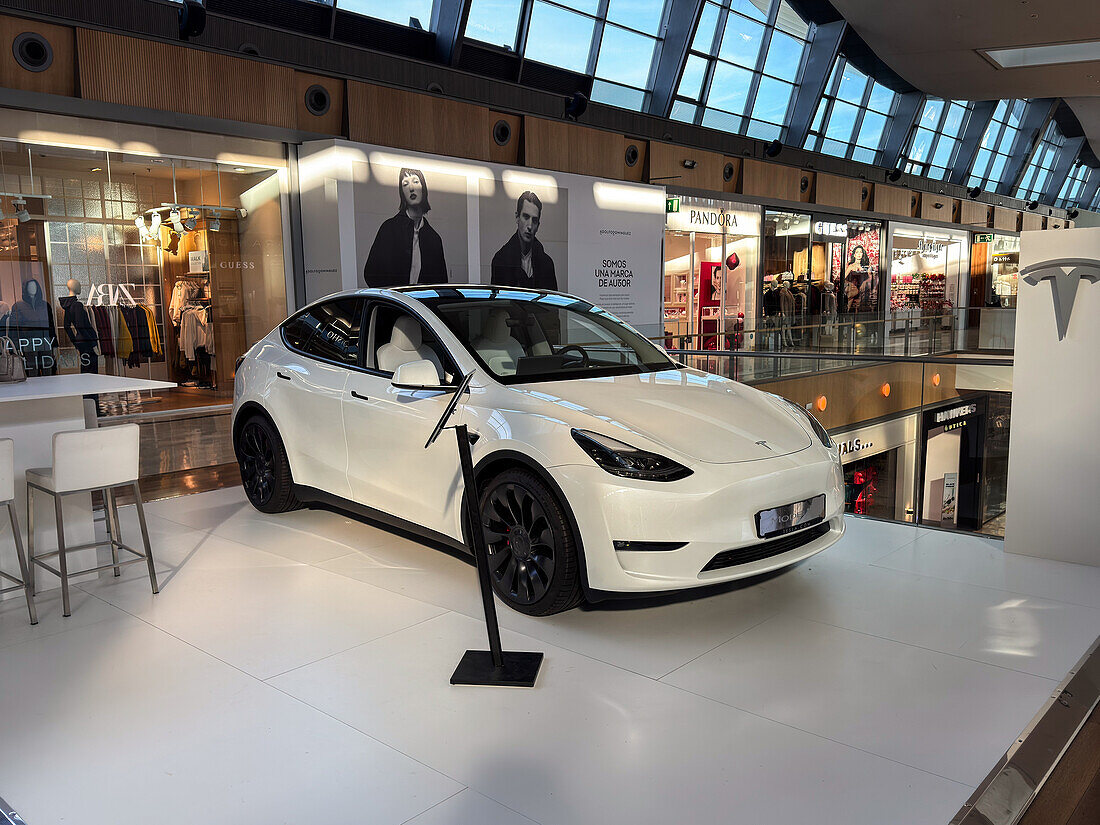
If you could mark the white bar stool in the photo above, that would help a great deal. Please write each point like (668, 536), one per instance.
(7, 496)
(86, 460)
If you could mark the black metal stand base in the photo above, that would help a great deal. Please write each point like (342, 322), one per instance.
(476, 668)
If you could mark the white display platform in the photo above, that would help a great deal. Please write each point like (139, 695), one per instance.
(1054, 455)
(30, 413)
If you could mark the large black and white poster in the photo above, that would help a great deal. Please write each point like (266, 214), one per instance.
(380, 217)
(410, 225)
(524, 233)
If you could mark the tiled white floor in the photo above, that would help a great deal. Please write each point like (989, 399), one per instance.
(295, 668)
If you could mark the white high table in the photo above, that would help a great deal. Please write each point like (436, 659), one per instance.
(30, 413)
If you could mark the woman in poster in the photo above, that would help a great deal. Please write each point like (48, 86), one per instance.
(859, 280)
(407, 250)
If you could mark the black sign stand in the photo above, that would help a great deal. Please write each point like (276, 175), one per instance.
(492, 667)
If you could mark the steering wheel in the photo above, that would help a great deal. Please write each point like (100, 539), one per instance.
(582, 355)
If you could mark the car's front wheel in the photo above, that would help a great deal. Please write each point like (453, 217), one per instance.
(533, 559)
(265, 471)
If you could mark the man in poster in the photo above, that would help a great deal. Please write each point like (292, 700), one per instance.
(407, 250)
(522, 261)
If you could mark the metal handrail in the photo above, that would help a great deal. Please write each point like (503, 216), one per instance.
(946, 360)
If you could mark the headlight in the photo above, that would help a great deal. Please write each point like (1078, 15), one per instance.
(822, 434)
(623, 460)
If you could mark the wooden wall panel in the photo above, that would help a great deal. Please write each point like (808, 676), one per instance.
(128, 71)
(855, 395)
(418, 122)
(332, 121)
(567, 147)
(975, 214)
(771, 180)
(891, 200)
(636, 172)
(807, 193)
(666, 167)
(59, 78)
(1031, 221)
(734, 183)
(512, 152)
(1004, 218)
(833, 190)
(935, 207)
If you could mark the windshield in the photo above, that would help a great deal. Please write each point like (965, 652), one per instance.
(523, 337)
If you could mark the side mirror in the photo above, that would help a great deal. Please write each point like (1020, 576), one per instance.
(419, 375)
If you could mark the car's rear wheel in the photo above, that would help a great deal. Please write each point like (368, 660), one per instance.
(533, 559)
(265, 471)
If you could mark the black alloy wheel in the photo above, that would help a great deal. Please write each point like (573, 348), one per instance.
(265, 471)
(532, 552)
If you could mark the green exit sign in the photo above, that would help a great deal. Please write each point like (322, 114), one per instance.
(672, 205)
(984, 238)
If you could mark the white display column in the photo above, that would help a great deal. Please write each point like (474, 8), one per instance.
(1054, 448)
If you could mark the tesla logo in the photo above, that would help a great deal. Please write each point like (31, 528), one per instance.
(764, 444)
(1065, 276)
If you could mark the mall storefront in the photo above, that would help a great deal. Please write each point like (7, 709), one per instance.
(880, 462)
(929, 278)
(711, 271)
(133, 259)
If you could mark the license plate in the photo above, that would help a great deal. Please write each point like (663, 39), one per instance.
(780, 520)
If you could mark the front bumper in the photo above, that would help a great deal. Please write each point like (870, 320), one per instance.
(713, 511)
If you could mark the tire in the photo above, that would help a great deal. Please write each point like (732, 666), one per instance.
(265, 471)
(533, 560)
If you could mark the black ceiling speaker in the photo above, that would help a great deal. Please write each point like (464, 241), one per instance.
(434, 88)
(32, 51)
(1072, 214)
(502, 132)
(575, 106)
(318, 100)
(632, 155)
(864, 193)
(727, 172)
(192, 19)
(1033, 205)
(973, 191)
(894, 175)
(804, 184)
(773, 148)
(251, 49)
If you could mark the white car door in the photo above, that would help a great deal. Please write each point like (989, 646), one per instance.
(389, 468)
(308, 392)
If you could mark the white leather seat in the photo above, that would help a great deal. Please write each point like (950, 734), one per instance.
(496, 346)
(84, 460)
(7, 496)
(406, 345)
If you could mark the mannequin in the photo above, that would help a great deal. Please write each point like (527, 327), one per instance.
(31, 327)
(80, 329)
(786, 313)
(828, 311)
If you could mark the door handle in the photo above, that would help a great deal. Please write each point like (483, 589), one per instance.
(284, 377)
(354, 394)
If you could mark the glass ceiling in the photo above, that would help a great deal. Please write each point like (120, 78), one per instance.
(1070, 193)
(743, 68)
(993, 152)
(853, 116)
(1038, 169)
(933, 146)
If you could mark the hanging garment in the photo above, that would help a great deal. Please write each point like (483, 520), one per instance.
(154, 331)
(125, 344)
(104, 330)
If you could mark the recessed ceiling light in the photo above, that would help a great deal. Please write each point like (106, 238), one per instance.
(97, 168)
(239, 169)
(1044, 55)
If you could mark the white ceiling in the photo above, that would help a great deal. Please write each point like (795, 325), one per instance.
(934, 44)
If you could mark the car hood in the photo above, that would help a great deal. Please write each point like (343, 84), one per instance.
(702, 417)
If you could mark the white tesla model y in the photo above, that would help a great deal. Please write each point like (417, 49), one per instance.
(604, 467)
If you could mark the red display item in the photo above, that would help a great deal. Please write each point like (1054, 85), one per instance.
(732, 262)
